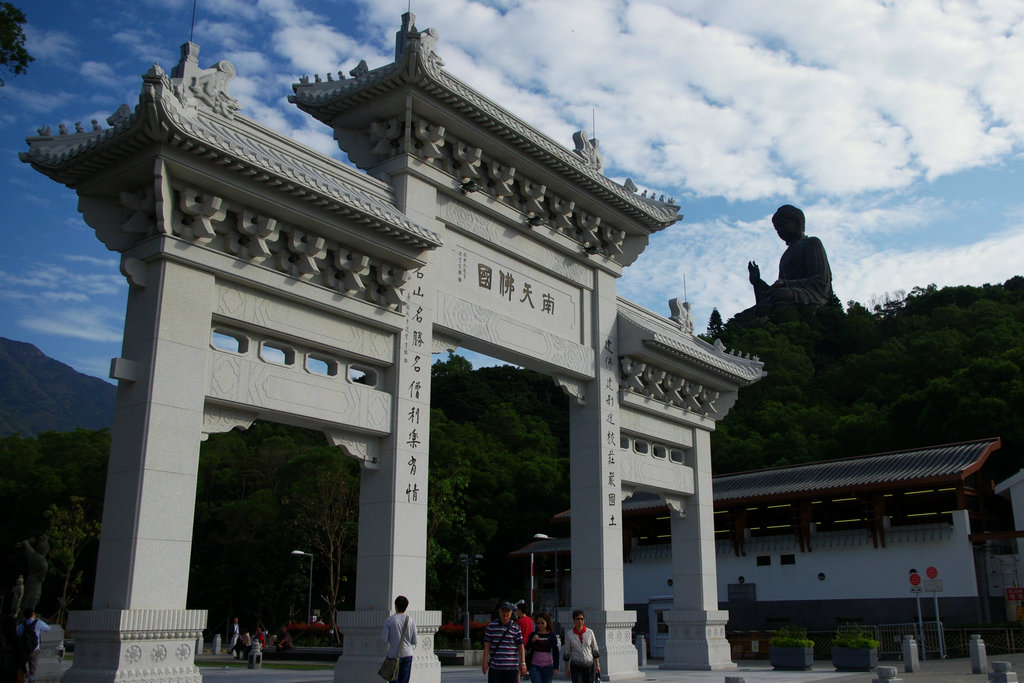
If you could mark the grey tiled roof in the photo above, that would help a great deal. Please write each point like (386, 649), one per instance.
(884, 470)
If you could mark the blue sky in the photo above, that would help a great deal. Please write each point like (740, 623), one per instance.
(896, 126)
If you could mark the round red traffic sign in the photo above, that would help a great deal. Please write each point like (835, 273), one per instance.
(915, 579)
(932, 572)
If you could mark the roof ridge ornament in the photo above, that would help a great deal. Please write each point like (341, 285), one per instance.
(588, 149)
(192, 84)
(418, 43)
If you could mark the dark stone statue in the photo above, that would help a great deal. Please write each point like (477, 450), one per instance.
(804, 275)
(35, 558)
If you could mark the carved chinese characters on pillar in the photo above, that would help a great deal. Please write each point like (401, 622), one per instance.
(416, 364)
(611, 427)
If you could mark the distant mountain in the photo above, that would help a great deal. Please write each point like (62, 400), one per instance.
(39, 394)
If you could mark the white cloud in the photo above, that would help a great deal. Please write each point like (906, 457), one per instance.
(99, 73)
(91, 324)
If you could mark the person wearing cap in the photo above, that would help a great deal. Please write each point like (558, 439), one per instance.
(504, 655)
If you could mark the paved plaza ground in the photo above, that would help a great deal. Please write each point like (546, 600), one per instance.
(752, 671)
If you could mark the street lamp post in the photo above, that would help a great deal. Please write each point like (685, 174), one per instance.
(466, 645)
(309, 600)
(545, 537)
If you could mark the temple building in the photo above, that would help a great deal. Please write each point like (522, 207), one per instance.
(831, 542)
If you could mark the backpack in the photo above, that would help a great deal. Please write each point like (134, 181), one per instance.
(29, 637)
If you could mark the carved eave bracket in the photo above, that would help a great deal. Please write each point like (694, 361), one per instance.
(219, 418)
(573, 388)
(676, 504)
(362, 447)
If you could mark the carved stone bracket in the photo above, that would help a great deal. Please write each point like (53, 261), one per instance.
(441, 344)
(675, 503)
(362, 447)
(659, 384)
(573, 388)
(467, 163)
(218, 419)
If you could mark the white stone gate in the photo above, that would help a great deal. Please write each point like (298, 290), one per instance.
(264, 277)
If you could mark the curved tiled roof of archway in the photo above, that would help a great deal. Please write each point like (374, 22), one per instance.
(421, 68)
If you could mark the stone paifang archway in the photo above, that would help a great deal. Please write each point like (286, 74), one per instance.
(466, 226)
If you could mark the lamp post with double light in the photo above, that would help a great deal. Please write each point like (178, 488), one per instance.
(545, 537)
(467, 559)
(309, 600)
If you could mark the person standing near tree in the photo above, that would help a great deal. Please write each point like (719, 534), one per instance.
(399, 638)
(581, 655)
(504, 654)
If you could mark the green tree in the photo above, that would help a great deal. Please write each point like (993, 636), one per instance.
(14, 58)
(69, 531)
(322, 503)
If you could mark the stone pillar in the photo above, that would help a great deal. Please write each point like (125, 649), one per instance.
(596, 497)
(393, 499)
(911, 660)
(139, 626)
(696, 627)
(979, 658)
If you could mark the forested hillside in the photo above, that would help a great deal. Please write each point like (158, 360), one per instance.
(937, 366)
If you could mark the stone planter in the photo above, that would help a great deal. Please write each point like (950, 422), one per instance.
(791, 658)
(854, 658)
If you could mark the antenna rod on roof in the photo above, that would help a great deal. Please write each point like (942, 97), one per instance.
(593, 120)
(192, 29)
(684, 287)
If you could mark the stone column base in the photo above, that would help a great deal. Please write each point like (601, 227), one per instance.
(614, 631)
(696, 641)
(153, 645)
(363, 652)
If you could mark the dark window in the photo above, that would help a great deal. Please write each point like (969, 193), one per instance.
(787, 559)
(764, 560)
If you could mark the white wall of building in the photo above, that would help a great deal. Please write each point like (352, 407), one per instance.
(852, 566)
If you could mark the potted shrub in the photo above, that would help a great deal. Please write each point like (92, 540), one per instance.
(854, 649)
(790, 649)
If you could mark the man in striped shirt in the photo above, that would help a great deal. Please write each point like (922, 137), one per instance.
(504, 655)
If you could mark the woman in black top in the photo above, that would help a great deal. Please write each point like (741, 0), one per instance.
(542, 651)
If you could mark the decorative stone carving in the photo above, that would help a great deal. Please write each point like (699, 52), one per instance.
(362, 447)
(386, 137)
(588, 149)
(573, 388)
(429, 138)
(501, 180)
(302, 257)
(681, 315)
(255, 232)
(209, 86)
(218, 419)
(661, 385)
(201, 210)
